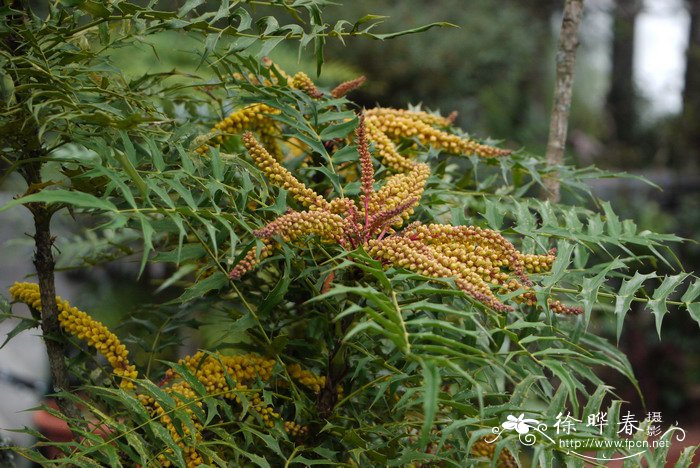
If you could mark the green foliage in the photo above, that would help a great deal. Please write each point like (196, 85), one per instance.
(425, 370)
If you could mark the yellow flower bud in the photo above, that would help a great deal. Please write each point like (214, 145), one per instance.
(84, 327)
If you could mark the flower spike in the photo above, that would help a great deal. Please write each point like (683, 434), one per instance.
(82, 326)
(386, 125)
(302, 82)
(254, 117)
(348, 86)
(365, 160)
(281, 177)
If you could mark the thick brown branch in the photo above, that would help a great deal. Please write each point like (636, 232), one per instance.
(566, 59)
(44, 263)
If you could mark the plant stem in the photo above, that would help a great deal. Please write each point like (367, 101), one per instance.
(50, 328)
(563, 87)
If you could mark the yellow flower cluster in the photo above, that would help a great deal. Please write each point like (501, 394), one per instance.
(183, 395)
(280, 176)
(258, 117)
(211, 371)
(539, 263)
(400, 188)
(482, 257)
(385, 149)
(333, 221)
(192, 458)
(215, 372)
(253, 117)
(388, 113)
(82, 326)
(294, 429)
(291, 226)
(414, 255)
(302, 82)
(307, 378)
(481, 250)
(386, 125)
(253, 258)
(267, 413)
(481, 448)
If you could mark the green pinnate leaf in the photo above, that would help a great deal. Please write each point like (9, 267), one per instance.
(212, 283)
(62, 196)
(591, 286)
(338, 130)
(625, 296)
(431, 390)
(692, 293)
(612, 221)
(685, 460)
(657, 304)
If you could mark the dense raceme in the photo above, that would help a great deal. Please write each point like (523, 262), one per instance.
(254, 117)
(260, 117)
(477, 259)
(82, 326)
(302, 82)
(386, 126)
(215, 372)
(348, 86)
(281, 177)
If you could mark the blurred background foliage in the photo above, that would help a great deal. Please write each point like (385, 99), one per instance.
(490, 69)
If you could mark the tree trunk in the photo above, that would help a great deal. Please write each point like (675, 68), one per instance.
(563, 90)
(622, 96)
(44, 264)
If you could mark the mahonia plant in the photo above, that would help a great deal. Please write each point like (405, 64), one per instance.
(348, 290)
